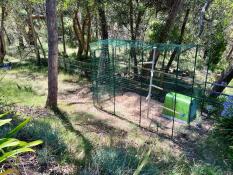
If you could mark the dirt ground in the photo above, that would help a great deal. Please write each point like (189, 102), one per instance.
(133, 108)
(127, 110)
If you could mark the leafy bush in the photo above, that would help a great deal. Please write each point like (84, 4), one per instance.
(9, 146)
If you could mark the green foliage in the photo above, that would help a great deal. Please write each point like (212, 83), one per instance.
(11, 147)
(217, 47)
(155, 29)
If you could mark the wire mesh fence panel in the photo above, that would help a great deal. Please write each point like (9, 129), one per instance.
(122, 71)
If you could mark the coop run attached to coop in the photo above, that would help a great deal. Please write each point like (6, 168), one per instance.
(122, 74)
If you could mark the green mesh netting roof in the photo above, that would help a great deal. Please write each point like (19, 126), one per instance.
(98, 45)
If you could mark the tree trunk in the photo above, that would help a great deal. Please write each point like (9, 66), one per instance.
(33, 35)
(63, 35)
(53, 53)
(222, 82)
(202, 16)
(164, 33)
(103, 22)
(103, 28)
(41, 46)
(2, 41)
(134, 21)
(82, 29)
(103, 64)
(88, 28)
(169, 22)
(133, 54)
(174, 53)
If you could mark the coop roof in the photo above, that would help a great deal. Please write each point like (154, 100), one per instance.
(115, 43)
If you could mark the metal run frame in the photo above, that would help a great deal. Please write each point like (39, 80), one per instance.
(107, 70)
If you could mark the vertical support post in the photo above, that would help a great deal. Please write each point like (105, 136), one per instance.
(151, 84)
(164, 57)
(92, 73)
(140, 119)
(174, 106)
(97, 80)
(114, 80)
(193, 82)
(206, 79)
(130, 46)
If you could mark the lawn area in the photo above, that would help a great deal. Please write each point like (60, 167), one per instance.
(79, 139)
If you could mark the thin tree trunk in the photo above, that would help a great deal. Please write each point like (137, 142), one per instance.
(174, 53)
(21, 28)
(63, 35)
(53, 53)
(202, 16)
(2, 41)
(88, 26)
(33, 33)
(133, 38)
(79, 33)
(41, 46)
(135, 32)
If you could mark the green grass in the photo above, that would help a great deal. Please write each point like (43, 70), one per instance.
(20, 94)
(59, 143)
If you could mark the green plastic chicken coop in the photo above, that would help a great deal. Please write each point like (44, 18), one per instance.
(183, 108)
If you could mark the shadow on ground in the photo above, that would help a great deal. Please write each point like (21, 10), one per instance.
(68, 125)
(201, 145)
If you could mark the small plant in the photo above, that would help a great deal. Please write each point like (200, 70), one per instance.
(11, 147)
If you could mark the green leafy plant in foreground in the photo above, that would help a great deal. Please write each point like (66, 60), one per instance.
(11, 147)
